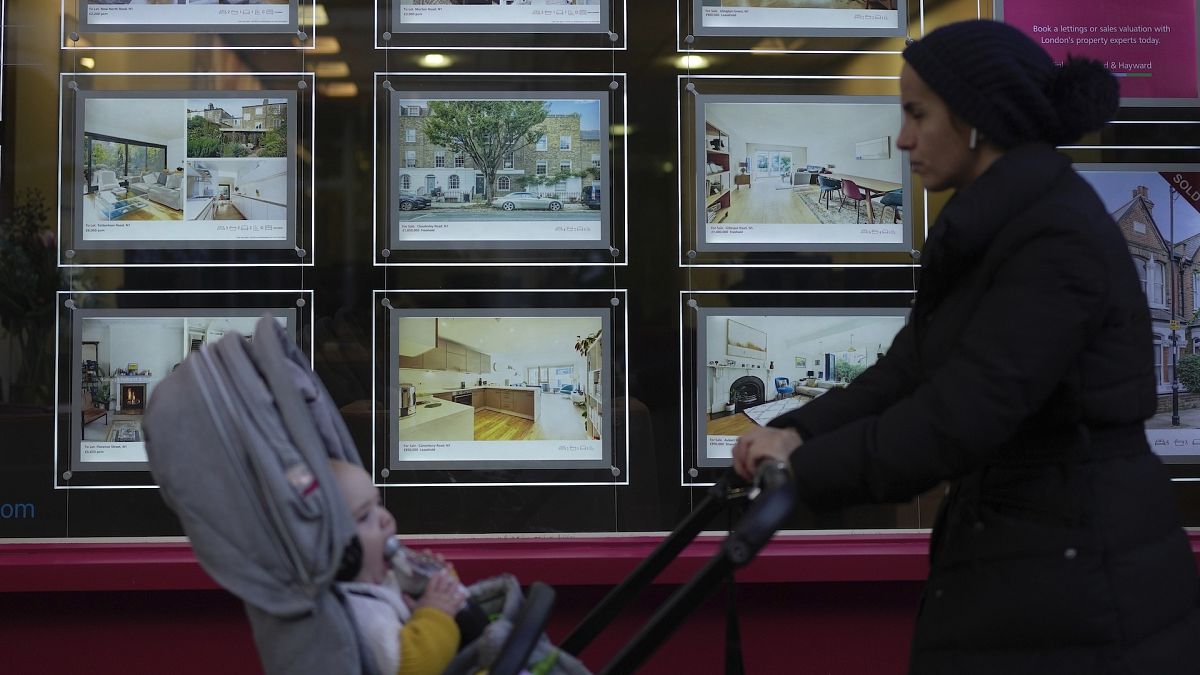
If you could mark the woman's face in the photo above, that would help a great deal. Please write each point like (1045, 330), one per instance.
(935, 138)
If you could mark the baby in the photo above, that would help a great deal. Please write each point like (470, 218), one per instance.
(405, 636)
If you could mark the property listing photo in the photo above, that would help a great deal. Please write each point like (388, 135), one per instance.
(800, 171)
(498, 169)
(500, 378)
(805, 4)
(133, 155)
(759, 367)
(237, 127)
(122, 360)
(245, 189)
(1158, 212)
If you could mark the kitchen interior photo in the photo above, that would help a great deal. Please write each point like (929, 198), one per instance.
(759, 367)
(237, 189)
(801, 162)
(499, 378)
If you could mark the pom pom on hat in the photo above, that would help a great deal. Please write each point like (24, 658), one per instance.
(1000, 81)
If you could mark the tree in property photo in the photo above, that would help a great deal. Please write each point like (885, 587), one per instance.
(274, 142)
(485, 131)
(1188, 369)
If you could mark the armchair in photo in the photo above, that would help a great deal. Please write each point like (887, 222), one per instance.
(105, 179)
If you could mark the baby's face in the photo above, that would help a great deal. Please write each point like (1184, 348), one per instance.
(373, 523)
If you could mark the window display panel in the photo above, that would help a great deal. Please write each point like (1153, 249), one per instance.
(197, 170)
(1157, 208)
(1150, 47)
(761, 363)
(802, 173)
(486, 175)
(527, 391)
(118, 356)
(523, 16)
(500, 169)
(799, 17)
(130, 16)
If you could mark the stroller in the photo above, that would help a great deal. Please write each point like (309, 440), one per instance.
(239, 439)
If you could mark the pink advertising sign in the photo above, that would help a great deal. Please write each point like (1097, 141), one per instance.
(1150, 46)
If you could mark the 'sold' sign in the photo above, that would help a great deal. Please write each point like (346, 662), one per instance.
(1187, 184)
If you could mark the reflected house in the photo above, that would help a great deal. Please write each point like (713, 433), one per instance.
(1148, 247)
(563, 146)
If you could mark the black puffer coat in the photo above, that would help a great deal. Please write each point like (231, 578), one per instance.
(1023, 376)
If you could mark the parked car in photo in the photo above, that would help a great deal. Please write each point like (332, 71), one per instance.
(591, 197)
(527, 200)
(411, 201)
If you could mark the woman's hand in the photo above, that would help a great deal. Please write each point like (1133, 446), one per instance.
(763, 443)
(444, 592)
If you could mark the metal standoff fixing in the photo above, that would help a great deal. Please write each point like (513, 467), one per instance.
(67, 475)
(73, 37)
(73, 85)
(614, 85)
(300, 253)
(690, 87)
(300, 302)
(613, 37)
(385, 473)
(908, 41)
(69, 253)
(387, 84)
(692, 303)
(386, 302)
(387, 253)
(916, 254)
(387, 35)
(302, 85)
(692, 472)
(691, 254)
(689, 39)
(614, 471)
(301, 36)
(614, 301)
(614, 251)
(69, 303)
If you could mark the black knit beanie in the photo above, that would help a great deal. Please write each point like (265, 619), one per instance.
(1001, 82)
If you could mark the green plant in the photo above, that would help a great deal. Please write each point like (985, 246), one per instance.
(29, 280)
(485, 131)
(584, 343)
(1188, 370)
(846, 372)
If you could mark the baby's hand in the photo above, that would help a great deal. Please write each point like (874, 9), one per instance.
(443, 592)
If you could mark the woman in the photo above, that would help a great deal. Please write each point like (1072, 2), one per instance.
(1023, 377)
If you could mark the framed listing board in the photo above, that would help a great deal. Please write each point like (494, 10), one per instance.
(210, 171)
(1157, 208)
(517, 388)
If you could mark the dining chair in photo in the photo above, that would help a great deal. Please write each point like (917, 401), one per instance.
(894, 199)
(851, 192)
(828, 187)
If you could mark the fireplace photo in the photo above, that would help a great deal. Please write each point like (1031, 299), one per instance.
(133, 398)
(747, 392)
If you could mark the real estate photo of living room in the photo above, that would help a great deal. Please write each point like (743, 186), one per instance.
(758, 366)
(500, 387)
(122, 359)
(800, 170)
(132, 160)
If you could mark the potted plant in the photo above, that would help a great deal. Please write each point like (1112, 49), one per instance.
(29, 281)
(583, 344)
